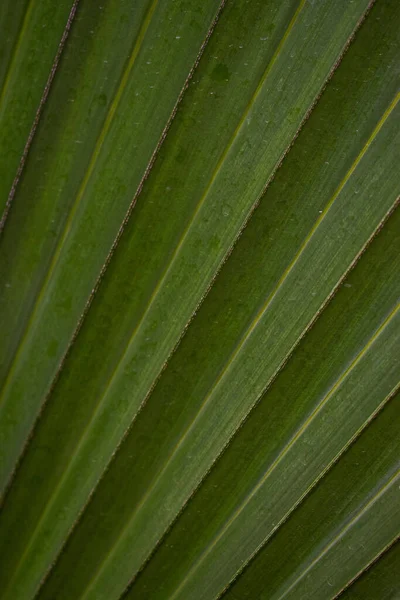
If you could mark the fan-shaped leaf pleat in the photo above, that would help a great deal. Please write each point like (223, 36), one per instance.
(334, 421)
(369, 294)
(91, 151)
(222, 410)
(353, 519)
(380, 580)
(31, 35)
(283, 283)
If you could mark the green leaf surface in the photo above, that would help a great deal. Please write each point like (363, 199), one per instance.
(101, 126)
(30, 34)
(288, 430)
(222, 410)
(369, 294)
(381, 580)
(49, 531)
(199, 301)
(342, 508)
(319, 439)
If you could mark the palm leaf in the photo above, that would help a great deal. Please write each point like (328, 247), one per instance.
(32, 37)
(380, 580)
(200, 328)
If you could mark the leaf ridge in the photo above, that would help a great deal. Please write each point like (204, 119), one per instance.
(368, 566)
(290, 26)
(38, 114)
(289, 445)
(269, 383)
(198, 207)
(273, 294)
(146, 173)
(258, 200)
(17, 45)
(159, 284)
(82, 188)
(304, 496)
(365, 349)
(114, 245)
(290, 267)
(345, 529)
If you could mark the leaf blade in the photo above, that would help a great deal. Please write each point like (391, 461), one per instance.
(359, 478)
(274, 421)
(206, 442)
(75, 230)
(389, 209)
(26, 72)
(380, 578)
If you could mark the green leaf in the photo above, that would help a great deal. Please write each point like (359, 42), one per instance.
(32, 34)
(65, 216)
(199, 303)
(362, 486)
(380, 580)
(222, 410)
(317, 365)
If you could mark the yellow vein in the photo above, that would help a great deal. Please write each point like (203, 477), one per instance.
(222, 3)
(245, 222)
(99, 144)
(254, 324)
(16, 50)
(261, 312)
(94, 157)
(188, 228)
(290, 268)
(392, 481)
(288, 446)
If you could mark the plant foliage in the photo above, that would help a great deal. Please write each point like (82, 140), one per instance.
(199, 283)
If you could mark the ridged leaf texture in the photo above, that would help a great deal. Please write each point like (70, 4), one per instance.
(199, 300)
